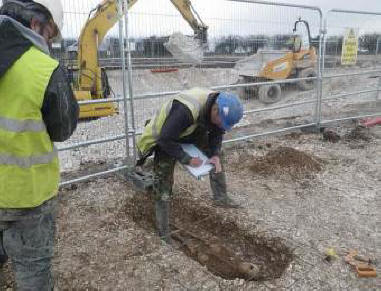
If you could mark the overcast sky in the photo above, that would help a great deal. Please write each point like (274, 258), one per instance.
(363, 5)
(367, 5)
(159, 17)
(225, 17)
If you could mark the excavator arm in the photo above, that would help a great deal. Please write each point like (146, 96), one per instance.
(191, 16)
(100, 21)
(104, 18)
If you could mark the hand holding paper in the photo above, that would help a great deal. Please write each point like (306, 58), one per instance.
(215, 160)
(197, 157)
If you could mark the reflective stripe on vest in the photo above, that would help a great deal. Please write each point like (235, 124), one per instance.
(29, 164)
(21, 125)
(196, 104)
(155, 130)
(194, 99)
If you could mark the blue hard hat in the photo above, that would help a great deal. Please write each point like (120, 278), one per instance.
(230, 109)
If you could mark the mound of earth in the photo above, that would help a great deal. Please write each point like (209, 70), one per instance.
(359, 134)
(287, 160)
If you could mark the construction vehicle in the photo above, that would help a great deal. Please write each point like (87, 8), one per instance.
(271, 65)
(91, 80)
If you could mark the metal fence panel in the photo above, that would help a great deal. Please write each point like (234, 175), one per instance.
(249, 47)
(98, 144)
(239, 31)
(352, 66)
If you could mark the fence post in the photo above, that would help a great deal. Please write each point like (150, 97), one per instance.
(378, 88)
(130, 85)
(321, 56)
(123, 59)
(377, 46)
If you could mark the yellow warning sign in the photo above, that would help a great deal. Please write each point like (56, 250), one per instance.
(350, 47)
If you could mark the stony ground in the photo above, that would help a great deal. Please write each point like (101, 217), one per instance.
(106, 239)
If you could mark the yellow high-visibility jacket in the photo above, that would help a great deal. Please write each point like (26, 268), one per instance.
(195, 99)
(29, 167)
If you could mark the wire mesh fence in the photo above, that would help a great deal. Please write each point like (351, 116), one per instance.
(98, 143)
(351, 65)
(289, 69)
(250, 44)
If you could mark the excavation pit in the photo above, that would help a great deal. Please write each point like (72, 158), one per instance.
(212, 237)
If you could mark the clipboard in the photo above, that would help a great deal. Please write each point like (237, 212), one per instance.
(194, 152)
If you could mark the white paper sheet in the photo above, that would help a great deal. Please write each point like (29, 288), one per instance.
(194, 152)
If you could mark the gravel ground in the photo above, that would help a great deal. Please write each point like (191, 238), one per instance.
(106, 240)
(101, 245)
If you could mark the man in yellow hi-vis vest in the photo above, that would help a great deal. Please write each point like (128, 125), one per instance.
(199, 116)
(37, 108)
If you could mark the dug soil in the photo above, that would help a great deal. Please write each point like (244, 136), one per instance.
(214, 241)
(287, 160)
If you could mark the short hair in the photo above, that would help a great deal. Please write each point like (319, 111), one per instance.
(24, 11)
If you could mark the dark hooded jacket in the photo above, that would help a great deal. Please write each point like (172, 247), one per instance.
(60, 109)
(180, 118)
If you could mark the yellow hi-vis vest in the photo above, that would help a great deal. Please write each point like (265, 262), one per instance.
(195, 99)
(29, 169)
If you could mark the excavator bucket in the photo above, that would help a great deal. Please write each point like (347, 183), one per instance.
(185, 48)
(95, 109)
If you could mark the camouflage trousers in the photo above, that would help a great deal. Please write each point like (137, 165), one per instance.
(164, 166)
(27, 238)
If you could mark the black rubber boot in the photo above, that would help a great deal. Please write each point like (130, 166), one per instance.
(3, 255)
(162, 209)
(3, 260)
(220, 196)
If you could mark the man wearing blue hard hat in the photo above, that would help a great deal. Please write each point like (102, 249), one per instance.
(197, 116)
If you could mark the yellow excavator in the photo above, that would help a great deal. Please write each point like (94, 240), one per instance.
(298, 61)
(92, 82)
